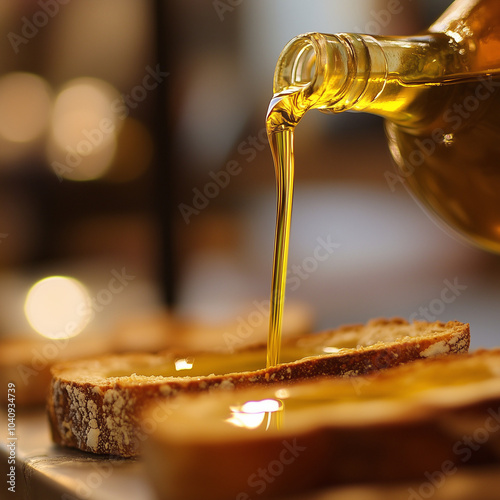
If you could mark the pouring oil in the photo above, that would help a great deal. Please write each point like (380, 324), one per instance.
(440, 97)
(283, 115)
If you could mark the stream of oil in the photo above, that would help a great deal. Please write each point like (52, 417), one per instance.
(281, 143)
(284, 113)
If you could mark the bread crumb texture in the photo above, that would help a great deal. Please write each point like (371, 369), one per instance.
(436, 349)
(101, 421)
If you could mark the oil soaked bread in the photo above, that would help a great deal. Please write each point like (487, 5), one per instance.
(96, 405)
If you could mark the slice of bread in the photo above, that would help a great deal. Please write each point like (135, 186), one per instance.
(26, 360)
(96, 405)
(422, 421)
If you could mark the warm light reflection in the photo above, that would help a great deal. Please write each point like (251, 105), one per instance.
(251, 414)
(58, 307)
(282, 393)
(264, 405)
(331, 350)
(25, 103)
(84, 129)
(183, 364)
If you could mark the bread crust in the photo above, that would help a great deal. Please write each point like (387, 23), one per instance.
(102, 414)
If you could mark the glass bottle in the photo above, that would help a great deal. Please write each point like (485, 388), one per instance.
(439, 93)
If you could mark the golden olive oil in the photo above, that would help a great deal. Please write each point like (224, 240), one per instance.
(446, 146)
(439, 93)
(282, 117)
(452, 166)
(282, 148)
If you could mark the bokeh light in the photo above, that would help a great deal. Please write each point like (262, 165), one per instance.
(58, 307)
(84, 129)
(25, 103)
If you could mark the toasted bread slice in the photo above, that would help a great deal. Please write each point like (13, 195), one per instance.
(27, 360)
(419, 422)
(96, 405)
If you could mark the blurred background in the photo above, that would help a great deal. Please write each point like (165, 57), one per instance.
(136, 180)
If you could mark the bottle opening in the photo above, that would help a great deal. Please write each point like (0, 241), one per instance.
(304, 69)
(315, 65)
(297, 65)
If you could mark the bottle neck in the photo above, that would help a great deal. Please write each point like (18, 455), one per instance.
(381, 75)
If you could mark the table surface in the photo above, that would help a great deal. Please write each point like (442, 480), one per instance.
(45, 471)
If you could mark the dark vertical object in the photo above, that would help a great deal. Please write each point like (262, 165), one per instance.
(164, 166)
